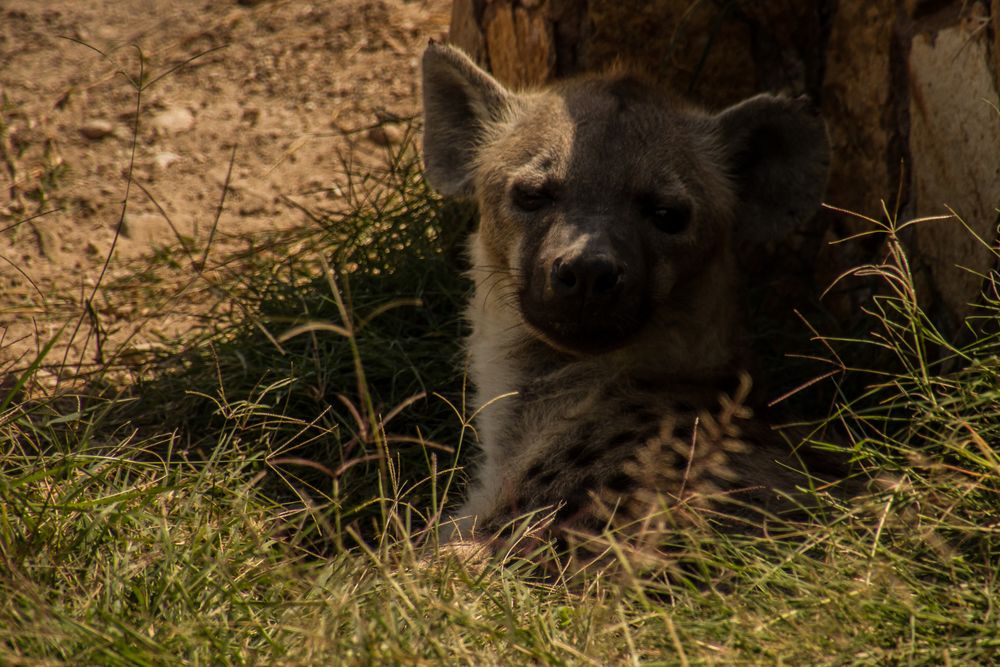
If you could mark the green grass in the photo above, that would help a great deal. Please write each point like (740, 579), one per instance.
(260, 491)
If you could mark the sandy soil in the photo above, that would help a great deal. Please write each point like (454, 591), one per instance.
(292, 86)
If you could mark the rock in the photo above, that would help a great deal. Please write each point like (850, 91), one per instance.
(173, 121)
(237, 181)
(139, 174)
(96, 128)
(954, 143)
(48, 240)
(94, 250)
(250, 115)
(252, 207)
(163, 160)
(148, 229)
(385, 135)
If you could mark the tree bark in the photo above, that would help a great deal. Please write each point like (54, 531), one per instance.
(905, 87)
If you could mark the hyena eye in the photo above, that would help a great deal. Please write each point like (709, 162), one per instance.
(530, 198)
(669, 218)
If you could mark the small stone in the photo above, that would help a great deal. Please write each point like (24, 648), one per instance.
(250, 115)
(236, 183)
(96, 128)
(252, 207)
(173, 121)
(163, 160)
(385, 135)
(148, 229)
(138, 174)
(48, 241)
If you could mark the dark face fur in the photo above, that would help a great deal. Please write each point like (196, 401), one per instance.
(611, 206)
(614, 204)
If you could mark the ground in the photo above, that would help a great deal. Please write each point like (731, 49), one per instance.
(287, 88)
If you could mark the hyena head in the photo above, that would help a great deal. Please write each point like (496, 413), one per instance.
(610, 212)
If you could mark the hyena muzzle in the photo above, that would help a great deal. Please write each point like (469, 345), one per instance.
(605, 341)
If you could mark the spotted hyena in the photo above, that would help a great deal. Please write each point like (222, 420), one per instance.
(605, 340)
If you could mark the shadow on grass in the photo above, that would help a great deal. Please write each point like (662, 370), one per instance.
(337, 352)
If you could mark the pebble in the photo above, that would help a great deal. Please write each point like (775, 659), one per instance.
(253, 207)
(385, 135)
(96, 128)
(48, 241)
(148, 229)
(173, 121)
(237, 183)
(163, 160)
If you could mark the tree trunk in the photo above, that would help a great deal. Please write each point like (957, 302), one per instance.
(906, 87)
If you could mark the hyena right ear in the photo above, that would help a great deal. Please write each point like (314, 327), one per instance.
(460, 102)
(779, 157)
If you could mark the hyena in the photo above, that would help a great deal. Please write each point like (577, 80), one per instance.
(606, 346)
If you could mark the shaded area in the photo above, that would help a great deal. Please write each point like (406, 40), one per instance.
(350, 397)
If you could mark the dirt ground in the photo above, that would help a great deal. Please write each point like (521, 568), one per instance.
(292, 86)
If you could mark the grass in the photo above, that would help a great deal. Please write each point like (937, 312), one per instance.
(263, 489)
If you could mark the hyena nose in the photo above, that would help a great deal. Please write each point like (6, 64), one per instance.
(589, 277)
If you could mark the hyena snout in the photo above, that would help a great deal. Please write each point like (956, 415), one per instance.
(587, 279)
(586, 299)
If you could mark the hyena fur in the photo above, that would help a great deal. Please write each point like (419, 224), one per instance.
(606, 346)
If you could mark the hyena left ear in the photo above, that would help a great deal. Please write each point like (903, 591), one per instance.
(779, 156)
(460, 102)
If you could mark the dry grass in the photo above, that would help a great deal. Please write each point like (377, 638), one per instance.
(262, 489)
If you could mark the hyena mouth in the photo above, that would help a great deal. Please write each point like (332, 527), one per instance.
(580, 330)
(585, 304)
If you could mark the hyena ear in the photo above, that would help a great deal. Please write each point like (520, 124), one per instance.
(460, 102)
(779, 155)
